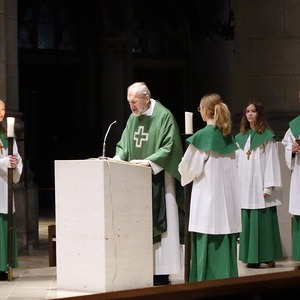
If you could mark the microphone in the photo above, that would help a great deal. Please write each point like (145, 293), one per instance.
(104, 142)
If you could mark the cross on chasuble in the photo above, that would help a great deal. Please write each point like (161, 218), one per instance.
(140, 136)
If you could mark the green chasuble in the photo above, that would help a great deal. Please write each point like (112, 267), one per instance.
(156, 138)
(295, 127)
(256, 138)
(210, 138)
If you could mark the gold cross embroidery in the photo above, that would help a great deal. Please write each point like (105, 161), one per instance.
(1, 147)
(248, 154)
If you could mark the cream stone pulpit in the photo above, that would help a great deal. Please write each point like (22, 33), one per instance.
(103, 225)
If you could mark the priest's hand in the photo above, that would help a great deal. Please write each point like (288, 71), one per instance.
(140, 162)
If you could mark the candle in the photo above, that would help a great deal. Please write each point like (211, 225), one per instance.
(10, 126)
(188, 122)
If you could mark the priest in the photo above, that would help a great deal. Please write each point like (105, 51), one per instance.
(152, 138)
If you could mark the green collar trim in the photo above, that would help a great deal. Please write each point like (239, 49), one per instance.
(295, 127)
(3, 139)
(210, 138)
(256, 138)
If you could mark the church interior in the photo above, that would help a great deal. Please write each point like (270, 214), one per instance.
(65, 66)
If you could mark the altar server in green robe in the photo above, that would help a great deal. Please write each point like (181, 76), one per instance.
(152, 138)
(260, 183)
(7, 161)
(291, 142)
(215, 212)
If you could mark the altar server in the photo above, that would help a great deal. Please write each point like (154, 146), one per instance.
(291, 142)
(7, 161)
(260, 184)
(215, 213)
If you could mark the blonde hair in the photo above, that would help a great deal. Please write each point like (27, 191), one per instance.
(218, 111)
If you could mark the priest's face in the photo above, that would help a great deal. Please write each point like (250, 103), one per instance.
(138, 103)
(2, 110)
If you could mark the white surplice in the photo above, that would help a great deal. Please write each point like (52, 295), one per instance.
(261, 172)
(3, 175)
(215, 204)
(293, 164)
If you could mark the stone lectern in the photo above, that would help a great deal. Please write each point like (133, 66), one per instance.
(103, 225)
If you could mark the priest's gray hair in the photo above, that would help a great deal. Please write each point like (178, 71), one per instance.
(140, 88)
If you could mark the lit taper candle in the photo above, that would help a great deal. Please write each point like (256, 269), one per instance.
(188, 122)
(10, 127)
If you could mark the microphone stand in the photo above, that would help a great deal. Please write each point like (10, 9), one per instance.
(10, 214)
(104, 142)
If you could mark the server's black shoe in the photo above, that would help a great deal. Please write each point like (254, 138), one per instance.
(271, 264)
(253, 265)
(3, 276)
(161, 280)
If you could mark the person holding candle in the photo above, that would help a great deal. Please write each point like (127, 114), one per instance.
(7, 161)
(291, 143)
(215, 214)
(260, 183)
(151, 138)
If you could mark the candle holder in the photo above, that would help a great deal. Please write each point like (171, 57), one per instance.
(187, 234)
(10, 214)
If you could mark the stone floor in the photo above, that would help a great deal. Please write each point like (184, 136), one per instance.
(34, 279)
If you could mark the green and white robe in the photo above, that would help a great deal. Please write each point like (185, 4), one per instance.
(293, 163)
(259, 174)
(215, 212)
(3, 200)
(154, 136)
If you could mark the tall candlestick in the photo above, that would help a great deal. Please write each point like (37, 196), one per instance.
(10, 257)
(10, 126)
(188, 122)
